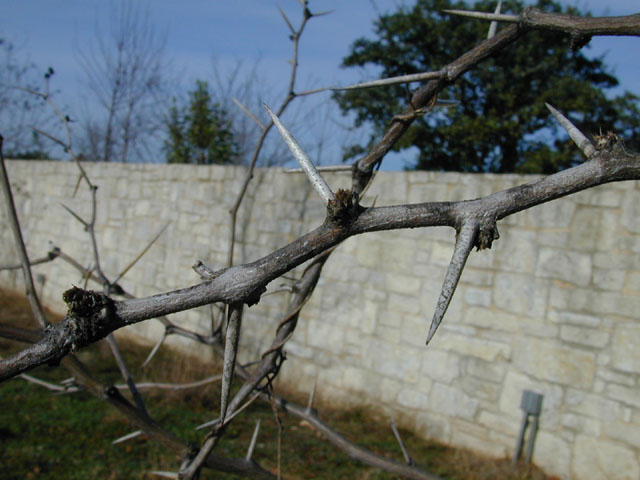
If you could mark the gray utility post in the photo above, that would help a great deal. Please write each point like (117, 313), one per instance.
(531, 405)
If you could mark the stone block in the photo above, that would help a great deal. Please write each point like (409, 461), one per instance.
(623, 394)
(492, 319)
(440, 366)
(598, 459)
(572, 267)
(553, 452)
(588, 337)
(593, 406)
(520, 294)
(475, 347)
(625, 432)
(452, 401)
(515, 251)
(626, 347)
(549, 360)
(410, 398)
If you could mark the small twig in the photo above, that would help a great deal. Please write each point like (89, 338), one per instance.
(328, 168)
(291, 29)
(254, 439)
(466, 237)
(155, 349)
(141, 254)
(318, 183)
(163, 474)
(14, 223)
(414, 77)
(312, 396)
(126, 437)
(48, 385)
(407, 458)
(575, 134)
(498, 17)
(494, 24)
(205, 272)
(75, 215)
(248, 113)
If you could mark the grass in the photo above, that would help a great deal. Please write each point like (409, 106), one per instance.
(48, 436)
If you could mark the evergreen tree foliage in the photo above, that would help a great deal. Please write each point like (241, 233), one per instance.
(501, 123)
(199, 133)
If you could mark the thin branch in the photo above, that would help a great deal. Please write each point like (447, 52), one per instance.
(248, 113)
(312, 396)
(316, 180)
(494, 17)
(575, 134)
(14, 224)
(414, 77)
(291, 29)
(465, 241)
(126, 437)
(155, 349)
(494, 24)
(254, 439)
(234, 325)
(75, 215)
(141, 254)
(407, 458)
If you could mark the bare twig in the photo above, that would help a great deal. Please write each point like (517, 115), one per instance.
(254, 439)
(494, 24)
(141, 254)
(407, 458)
(14, 224)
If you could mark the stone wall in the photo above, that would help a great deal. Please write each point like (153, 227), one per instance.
(553, 307)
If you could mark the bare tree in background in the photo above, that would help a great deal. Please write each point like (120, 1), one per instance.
(19, 109)
(126, 75)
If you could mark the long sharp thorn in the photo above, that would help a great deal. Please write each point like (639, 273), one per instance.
(75, 190)
(293, 30)
(230, 352)
(126, 437)
(494, 24)
(318, 183)
(464, 243)
(141, 254)
(248, 113)
(414, 77)
(312, 396)
(320, 14)
(576, 135)
(405, 454)
(75, 215)
(254, 439)
(485, 16)
(154, 350)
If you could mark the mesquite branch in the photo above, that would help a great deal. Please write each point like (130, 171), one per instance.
(92, 315)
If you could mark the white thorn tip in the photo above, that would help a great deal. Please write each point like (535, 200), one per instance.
(485, 16)
(317, 182)
(494, 24)
(575, 134)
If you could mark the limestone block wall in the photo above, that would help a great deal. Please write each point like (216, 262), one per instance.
(553, 307)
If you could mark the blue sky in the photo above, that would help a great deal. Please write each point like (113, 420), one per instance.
(51, 32)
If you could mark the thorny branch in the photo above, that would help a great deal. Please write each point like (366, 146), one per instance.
(93, 315)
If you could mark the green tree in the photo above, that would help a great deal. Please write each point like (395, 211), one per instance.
(200, 132)
(501, 123)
